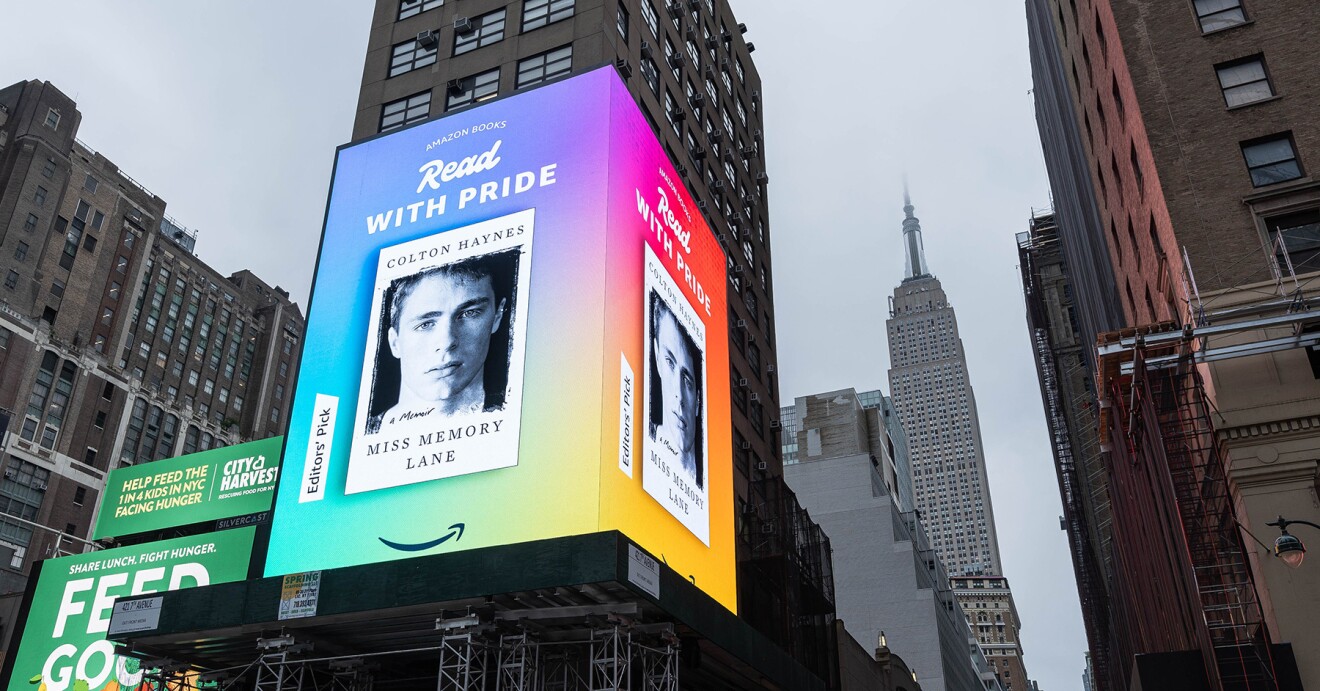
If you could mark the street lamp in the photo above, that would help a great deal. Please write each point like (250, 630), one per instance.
(1287, 547)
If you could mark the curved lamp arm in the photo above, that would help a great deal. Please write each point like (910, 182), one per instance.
(1283, 523)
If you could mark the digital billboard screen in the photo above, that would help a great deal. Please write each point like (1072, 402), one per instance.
(63, 644)
(518, 330)
(221, 483)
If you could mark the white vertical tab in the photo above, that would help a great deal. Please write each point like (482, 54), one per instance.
(627, 398)
(317, 465)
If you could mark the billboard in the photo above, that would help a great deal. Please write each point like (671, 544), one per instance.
(220, 483)
(518, 330)
(63, 643)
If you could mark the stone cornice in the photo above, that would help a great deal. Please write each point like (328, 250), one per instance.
(1274, 428)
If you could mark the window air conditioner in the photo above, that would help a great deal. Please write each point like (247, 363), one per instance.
(646, 49)
(454, 86)
(675, 60)
(746, 446)
(742, 381)
(716, 134)
(463, 26)
(428, 39)
(741, 323)
(751, 47)
(774, 424)
(742, 28)
(622, 66)
(762, 177)
(754, 397)
(762, 465)
(768, 529)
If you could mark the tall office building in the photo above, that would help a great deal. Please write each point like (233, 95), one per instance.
(930, 388)
(1179, 140)
(689, 67)
(118, 345)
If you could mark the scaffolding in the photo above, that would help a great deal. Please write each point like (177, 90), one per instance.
(1166, 455)
(1070, 412)
(593, 654)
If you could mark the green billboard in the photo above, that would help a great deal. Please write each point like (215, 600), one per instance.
(220, 483)
(63, 644)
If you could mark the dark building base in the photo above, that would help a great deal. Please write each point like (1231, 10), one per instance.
(564, 607)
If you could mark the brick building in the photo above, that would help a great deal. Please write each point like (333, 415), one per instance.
(1179, 139)
(117, 344)
(689, 66)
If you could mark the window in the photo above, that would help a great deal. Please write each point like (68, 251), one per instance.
(546, 66)
(474, 89)
(11, 280)
(48, 168)
(57, 288)
(1244, 81)
(694, 54)
(651, 73)
(1295, 238)
(405, 111)
(486, 29)
(648, 16)
(410, 55)
(20, 252)
(90, 183)
(39, 196)
(1219, 14)
(52, 119)
(209, 387)
(409, 8)
(80, 496)
(622, 21)
(1272, 160)
(30, 224)
(538, 13)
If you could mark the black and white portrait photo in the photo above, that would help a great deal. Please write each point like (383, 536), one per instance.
(442, 370)
(674, 449)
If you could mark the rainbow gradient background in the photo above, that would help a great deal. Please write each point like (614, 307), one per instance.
(584, 309)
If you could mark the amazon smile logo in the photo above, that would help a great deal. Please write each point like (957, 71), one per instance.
(455, 533)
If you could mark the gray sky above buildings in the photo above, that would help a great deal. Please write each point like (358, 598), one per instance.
(231, 112)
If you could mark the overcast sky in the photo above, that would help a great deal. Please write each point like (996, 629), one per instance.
(231, 111)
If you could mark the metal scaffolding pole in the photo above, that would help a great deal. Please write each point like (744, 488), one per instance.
(462, 663)
(610, 659)
(517, 663)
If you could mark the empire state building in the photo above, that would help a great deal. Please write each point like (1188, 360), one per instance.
(929, 385)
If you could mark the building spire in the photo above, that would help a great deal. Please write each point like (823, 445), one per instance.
(913, 252)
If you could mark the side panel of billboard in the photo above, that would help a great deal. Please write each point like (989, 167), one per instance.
(220, 483)
(449, 393)
(668, 320)
(63, 642)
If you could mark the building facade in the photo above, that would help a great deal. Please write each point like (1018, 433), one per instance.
(689, 66)
(988, 604)
(1179, 140)
(890, 583)
(117, 344)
